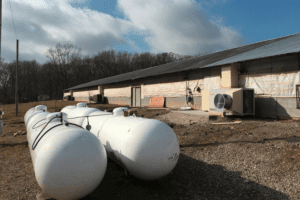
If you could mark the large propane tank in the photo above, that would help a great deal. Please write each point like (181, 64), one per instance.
(76, 113)
(34, 111)
(69, 162)
(147, 148)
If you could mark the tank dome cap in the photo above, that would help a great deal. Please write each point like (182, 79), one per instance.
(41, 107)
(119, 111)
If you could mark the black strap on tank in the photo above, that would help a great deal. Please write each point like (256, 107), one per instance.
(36, 142)
(34, 146)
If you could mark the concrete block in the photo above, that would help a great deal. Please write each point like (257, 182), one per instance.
(294, 113)
(119, 100)
(145, 101)
(178, 102)
(175, 102)
(287, 102)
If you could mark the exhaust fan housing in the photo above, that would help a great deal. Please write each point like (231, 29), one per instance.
(235, 101)
(98, 98)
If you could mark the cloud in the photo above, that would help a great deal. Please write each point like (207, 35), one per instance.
(178, 26)
(42, 24)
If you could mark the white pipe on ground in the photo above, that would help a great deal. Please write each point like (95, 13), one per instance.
(69, 162)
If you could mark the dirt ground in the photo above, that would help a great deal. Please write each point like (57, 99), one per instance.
(256, 159)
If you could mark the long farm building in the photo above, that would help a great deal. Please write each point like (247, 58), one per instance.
(271, 68)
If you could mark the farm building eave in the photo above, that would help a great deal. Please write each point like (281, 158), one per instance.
(279, 46)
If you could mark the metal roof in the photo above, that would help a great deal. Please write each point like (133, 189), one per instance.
(278, 46)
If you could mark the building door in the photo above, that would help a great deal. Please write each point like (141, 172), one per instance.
(136, 97)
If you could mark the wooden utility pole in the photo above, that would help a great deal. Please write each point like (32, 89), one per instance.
(0, 26)
(16, 95)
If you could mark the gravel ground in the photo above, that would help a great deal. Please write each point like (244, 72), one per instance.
(256, 159)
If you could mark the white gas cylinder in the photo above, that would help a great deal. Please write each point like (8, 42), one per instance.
(76, 114)
(69, 162)
(147, 148)
(33, 111)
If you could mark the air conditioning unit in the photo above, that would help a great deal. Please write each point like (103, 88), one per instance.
(68, 98)
(235, 101)
(98, 98)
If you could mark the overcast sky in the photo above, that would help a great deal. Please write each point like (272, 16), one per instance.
(185, 27)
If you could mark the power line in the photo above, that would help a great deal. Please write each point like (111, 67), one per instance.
(13, 19)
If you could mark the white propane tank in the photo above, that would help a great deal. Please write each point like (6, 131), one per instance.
(69, 162)
(33, 111)
(76, 113)
(147, 148)
(36, 119)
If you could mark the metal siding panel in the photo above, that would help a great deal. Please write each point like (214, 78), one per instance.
(133, 97)
(138, 97)
(285, 63)
(259, 66)
(289, 44)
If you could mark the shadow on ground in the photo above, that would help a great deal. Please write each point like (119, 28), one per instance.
(191, 179)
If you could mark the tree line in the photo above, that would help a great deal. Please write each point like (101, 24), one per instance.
(66, 67)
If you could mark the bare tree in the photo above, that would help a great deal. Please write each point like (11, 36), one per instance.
(61, 57)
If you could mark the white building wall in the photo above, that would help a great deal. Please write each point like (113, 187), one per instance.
(84, 95)
(66, 94)
(274, 85)
(117, 92)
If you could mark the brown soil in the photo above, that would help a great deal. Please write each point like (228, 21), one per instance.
(256, 159)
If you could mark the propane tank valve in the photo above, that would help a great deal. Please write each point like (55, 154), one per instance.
(88, 127)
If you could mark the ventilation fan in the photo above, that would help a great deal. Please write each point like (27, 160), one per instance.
(222, 101)
(235, 101)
